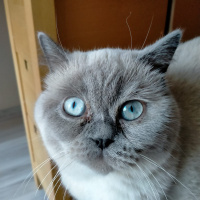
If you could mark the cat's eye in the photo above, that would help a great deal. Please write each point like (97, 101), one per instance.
(131, 110)
(74, 107)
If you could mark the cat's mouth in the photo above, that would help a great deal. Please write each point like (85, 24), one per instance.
(99, 163)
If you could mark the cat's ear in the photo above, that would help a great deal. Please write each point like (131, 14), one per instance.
(54, 54)
(159, 55)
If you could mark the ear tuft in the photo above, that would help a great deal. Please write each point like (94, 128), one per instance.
(160, 54)
(53, 53)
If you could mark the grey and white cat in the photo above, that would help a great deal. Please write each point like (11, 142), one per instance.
(124, 124)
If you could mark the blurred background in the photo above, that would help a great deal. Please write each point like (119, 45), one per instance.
(15, 162)
(82, 25)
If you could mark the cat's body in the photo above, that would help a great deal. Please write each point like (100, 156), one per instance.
(100, 154)
(184, 77)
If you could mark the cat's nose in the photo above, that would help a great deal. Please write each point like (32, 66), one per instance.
(103, 143)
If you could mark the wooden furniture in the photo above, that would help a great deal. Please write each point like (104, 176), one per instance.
(24, 19)
(84, 25)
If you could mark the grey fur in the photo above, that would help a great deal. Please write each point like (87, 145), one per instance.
(105, 79)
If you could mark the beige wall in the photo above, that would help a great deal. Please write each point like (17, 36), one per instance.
(8, 89)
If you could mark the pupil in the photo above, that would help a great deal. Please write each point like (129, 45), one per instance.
(74, 104)
(131, 108)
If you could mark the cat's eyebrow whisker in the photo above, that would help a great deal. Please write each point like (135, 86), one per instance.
(59, 36)
(157, 182)
(148, 31)
(142, 45)
(170, 175)
(129, 29)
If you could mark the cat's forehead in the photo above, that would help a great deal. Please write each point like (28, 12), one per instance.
(105, 77)
(100, 56)
(112, 74)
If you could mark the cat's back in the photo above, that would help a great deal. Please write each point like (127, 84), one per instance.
(186, 62)
(184, 78)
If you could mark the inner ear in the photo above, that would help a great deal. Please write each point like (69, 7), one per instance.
(160, 54)
(54, 54)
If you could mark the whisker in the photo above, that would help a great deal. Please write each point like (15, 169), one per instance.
(64, 195)
(174, 178)
(59, 37)
(129, 180)
(31, 174)
(129, 29)
(148, 32)
(44, 179)
(154, 163)
(148, 180)
(157, 182)
(52, 181)
(54, 187)
(48, 172)
(146, 193)
(57, 189)
(57, 174)
(139, 179)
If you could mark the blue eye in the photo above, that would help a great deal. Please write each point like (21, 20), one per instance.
(131, 110)
(74, 107)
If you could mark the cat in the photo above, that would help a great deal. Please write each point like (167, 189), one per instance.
(124, 124)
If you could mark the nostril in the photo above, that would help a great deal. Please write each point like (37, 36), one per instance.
(108, 142)
(103, 143)
(99, 143)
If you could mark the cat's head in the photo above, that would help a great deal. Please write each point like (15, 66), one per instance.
(106, 107)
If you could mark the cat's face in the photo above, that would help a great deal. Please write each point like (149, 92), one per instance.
(105, 108)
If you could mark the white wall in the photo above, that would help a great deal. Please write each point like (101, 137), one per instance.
(8, 89)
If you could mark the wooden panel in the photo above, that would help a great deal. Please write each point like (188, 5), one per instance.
(94, 24)
(187, 16)
(42, 165)
(41, 16)
(19, 28)
(27, 84)
(25, 18)
(12, 8)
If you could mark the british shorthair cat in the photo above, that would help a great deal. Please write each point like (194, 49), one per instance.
(124, 124)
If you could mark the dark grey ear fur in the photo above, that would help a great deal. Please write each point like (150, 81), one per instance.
(159, 55)
(53, 53)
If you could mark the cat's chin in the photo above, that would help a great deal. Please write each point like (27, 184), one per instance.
(99, 165)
